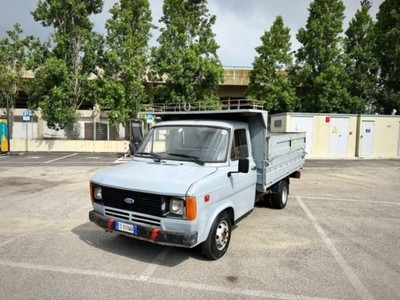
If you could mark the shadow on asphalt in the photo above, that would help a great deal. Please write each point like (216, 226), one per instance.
(132, 248)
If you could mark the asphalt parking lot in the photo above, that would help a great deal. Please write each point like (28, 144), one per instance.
(338, 238)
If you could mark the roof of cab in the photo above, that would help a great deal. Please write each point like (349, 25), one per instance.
(243, 115)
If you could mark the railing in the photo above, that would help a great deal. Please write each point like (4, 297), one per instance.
(222, 105)
(241, 104)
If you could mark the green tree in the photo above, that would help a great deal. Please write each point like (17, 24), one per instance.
(269, 80)
(16, 56)
(320, 75)
(121, 88)
(388, 54)
(13, 58)
(61, 96)
(187, 59)
(361, 65)
(53, 87)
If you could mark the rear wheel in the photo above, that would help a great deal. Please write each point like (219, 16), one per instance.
(280, 196)
(218, 238)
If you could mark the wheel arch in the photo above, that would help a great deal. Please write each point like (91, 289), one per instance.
(231, 213)
(219, 236)
(228, 208)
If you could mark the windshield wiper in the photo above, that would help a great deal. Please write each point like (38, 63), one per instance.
(156, 157)
(190, 157)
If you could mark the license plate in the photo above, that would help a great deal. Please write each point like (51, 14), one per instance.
(130, 228)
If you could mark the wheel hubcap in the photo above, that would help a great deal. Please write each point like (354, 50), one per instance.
(222, 235)
(284, 196)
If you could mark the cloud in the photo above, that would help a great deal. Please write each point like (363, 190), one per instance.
(13, 12)
(239, 26)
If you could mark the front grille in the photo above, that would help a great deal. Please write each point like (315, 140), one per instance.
(144, 203)
(132, 217)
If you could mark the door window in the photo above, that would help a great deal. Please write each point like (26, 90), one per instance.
(239, 145)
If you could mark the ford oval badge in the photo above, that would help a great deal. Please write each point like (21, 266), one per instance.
(129, 201)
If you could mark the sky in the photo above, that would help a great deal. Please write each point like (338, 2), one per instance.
(239, 26)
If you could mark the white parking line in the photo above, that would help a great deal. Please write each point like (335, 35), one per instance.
(123, 160)
(159, 281)
(154, 264)
(355, 281)
(350, 200)
(60, 158)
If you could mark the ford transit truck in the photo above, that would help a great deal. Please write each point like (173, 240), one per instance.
(195, 175)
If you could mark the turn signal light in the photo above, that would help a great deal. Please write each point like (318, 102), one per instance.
(191, 208)
(91, 192)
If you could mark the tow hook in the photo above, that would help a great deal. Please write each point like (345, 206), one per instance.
(110, 225)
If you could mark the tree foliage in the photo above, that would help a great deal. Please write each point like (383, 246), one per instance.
(61, 96)
(121, 87)
(13, 58)
(320, 72)
(388, 54)
(331, 74)
(269, 80)
(54, 86)
(187, 57)
(16, 56)
(361, 65)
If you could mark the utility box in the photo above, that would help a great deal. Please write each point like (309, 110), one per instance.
(344, 136)
(378, 136)
(327, 135)
(4, 136)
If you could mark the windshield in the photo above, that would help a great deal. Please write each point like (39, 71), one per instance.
(197, 144)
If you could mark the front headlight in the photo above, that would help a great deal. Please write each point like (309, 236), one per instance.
(97, 194)
(177, 206)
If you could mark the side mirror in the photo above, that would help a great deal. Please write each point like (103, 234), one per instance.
(136, 137)
(244, 166)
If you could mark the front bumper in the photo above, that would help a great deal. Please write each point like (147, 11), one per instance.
(148, 233)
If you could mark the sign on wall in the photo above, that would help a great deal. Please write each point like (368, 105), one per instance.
(150, 119)
(26, 115)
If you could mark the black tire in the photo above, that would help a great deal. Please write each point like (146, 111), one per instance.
(279, 197)
(218, 239)
(266, 200)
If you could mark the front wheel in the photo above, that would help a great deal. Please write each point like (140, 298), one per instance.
(219, 237)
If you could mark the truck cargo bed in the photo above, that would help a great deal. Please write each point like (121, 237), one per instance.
(284, 155)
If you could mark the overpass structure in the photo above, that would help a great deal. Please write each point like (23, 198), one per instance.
(236, 80)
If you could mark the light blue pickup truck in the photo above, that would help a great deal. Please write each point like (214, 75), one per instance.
(195, 175)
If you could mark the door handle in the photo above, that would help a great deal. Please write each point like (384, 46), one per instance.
(253, 168)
